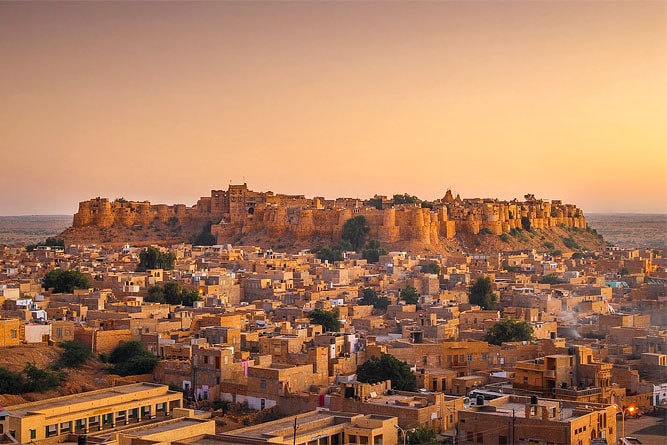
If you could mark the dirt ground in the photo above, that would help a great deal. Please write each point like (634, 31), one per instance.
(89, 377)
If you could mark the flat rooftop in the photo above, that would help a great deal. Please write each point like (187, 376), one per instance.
(84, 398)
(505, 410)
(165, 426)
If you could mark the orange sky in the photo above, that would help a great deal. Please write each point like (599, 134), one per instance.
(165, 101)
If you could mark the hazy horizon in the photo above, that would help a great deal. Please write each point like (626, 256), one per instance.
(165, 101)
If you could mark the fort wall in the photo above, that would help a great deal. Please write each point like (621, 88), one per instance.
(241, 211)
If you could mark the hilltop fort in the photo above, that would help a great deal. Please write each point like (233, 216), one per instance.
(239, 212)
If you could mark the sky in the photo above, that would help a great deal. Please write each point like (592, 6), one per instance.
(166, 101)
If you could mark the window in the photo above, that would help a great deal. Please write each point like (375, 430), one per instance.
(480, 438)
(59, 332)
(13, 333)
(469, 436)
(33, 434)
(262, 384)
(483, 357)
(52, 430)
(469, 357)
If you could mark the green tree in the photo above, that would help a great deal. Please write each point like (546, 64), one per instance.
(172, 293)
(330, 254)
(328, 320)
(74, 354)
(387, 367)
(370, 298)
(153, 258)
(481, 293)
(131, 358)
(525, 223)
(422, 435)
(373, 251)
(406, 199)
(507, 330)
(409, 295)
(50, 242)
(65, 281)
(375, 202)
(570, 243)
(10, 382)
(355, 231)
(204, 237)
(431, 267)
(552, 278)
(41, 380)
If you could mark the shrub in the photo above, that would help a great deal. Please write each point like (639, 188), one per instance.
(131, 358)
(75, 354)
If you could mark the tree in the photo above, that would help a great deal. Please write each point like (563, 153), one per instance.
(552, 278)
(355, 231)
(376, 202)
(387, 367)
(525, 223)
(153, 258)
(74, 355)
(330, 254)
(205, 237)
(131, 358)
(507, 330)
(328, 320)
(409, 295)
(406, 199)
(370, 298)
(50, 242)
(172, 293)
(481, 293)
(373, 251)
(431, 267)
(10, 382)
(422, 435)
(41, 380)
(65, 281)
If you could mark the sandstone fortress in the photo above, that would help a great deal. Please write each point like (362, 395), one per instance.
(239, 210)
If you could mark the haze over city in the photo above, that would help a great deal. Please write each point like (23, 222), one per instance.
(164, 101)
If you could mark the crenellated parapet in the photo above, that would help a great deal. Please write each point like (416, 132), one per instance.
(242, 211)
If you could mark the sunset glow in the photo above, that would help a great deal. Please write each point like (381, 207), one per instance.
(164, 101)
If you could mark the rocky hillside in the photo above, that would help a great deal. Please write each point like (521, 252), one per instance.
(157, 232)
(550, 239)
(89, 377)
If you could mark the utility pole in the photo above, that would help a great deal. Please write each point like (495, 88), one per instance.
(294, 440)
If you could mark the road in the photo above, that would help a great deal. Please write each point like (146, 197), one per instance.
(650, 429)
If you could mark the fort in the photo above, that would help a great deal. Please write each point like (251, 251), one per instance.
(239, 210)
